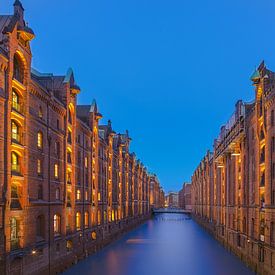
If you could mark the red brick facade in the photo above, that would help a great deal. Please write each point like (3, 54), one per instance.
(68, 185)
(233, 188)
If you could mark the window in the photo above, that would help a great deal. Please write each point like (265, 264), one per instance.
(57, 124)
(40, 112)
(39, 167)
(78, 194)
(86, 195)
(78, 221)
(57, 194)
(15, 203)
(86, 162)
(272, 233)
(15, 131)
(40, 140)
(69, 245)
(18, 69)
(40, 192)
(69, 136)
(272, 118)
(69, 177)
(16, 101)
(86, 219)
(40, 226)
(14, 225)
(15, 167)
(56, 171)
(98, 217)
(57, 148)
(69, 156)
(70, 116)
(56, 224)
(93, 235)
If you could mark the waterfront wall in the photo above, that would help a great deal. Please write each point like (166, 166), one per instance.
(233, 188)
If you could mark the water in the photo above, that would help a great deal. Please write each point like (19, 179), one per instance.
(169, 244)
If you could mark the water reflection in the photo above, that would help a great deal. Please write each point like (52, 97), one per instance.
(169, 244)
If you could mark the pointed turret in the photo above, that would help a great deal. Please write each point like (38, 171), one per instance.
(18, 9)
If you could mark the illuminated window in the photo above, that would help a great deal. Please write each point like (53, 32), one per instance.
(56, 224)
(69, 245)
(56, 171)
(40, 140)
(98, 196)
(39, 167)
(16, 101)
(86, 195)
(40, 112)
(15, 131)
(86, 219)
(86, 162)
(113, 215)
(78, 194)
(15, 167)
(93, 235)
(98, 217)
(78, 221)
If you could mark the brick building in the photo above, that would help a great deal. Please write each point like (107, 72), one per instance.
(185, 197)
(68, 185)
(233, 188)
(156, 193)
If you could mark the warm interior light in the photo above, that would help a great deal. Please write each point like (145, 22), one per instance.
(235, 154)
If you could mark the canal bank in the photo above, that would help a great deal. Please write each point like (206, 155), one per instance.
(240, 246)
(102, 236)
(170, 244)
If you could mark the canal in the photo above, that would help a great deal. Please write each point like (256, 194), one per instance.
(169, 244)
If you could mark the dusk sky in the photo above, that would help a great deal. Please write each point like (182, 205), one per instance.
(168, 71)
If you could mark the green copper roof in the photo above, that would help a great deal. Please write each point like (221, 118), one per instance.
(255, 75)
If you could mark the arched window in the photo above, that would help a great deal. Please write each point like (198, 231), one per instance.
(15, 167)
(18, 68)
(16, 101)
(15, 131)
(86, 219)
(78, 221)
(56, 224)
(40, 227)
(40, 140)
(57, 193)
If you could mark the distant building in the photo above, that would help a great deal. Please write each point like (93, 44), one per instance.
(172, 199)
(185, 196)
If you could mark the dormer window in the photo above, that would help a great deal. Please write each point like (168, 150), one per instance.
(18, 69)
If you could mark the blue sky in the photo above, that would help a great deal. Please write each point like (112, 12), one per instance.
(168, 71)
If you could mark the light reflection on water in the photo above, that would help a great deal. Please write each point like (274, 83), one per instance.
(169, 244)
